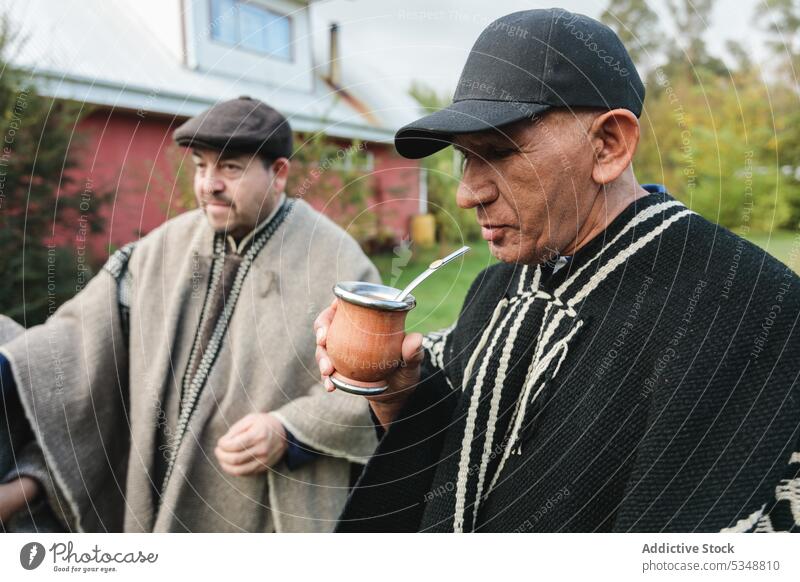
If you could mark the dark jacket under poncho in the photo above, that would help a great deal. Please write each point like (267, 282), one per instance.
(650, 384)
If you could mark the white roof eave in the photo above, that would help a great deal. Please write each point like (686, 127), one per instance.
(146, 99)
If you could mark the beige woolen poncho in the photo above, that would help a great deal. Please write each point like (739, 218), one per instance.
(106, 408)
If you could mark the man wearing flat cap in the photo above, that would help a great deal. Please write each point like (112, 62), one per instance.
(628, 366)
(178, 391)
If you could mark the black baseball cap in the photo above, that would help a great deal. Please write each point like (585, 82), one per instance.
(524, 64)
(243, 125)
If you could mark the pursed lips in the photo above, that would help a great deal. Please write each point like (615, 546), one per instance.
(484, 221)
(493, 224)
(492, 232)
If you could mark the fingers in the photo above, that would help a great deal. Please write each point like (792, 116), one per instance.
(237, 442)
(253, 458)
(323, 322)
(241, 425)
(16, 495)
(239, 458)
(325, 368)
(237, 428)
(254, 449)
(324, 362)
(321, 325)
(325, 365)
(406, 376)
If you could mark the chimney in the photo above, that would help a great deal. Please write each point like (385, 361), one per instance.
(335, 73)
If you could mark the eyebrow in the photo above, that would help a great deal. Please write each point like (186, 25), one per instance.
(227, 156)
(223, 157)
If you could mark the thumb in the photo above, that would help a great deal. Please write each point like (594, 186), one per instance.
(237, 427)
(413, 354)
(406, 376)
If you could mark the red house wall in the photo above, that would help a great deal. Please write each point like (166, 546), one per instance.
(133, 157)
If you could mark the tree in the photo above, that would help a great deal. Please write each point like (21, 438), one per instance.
(689, 53)
(43, 208)
(781, 20)
(637, 26)
(718, 147)
(453, 224)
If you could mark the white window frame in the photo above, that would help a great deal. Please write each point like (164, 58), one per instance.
(221, 59)
(238, 45)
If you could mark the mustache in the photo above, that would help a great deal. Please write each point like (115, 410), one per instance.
(206, 200)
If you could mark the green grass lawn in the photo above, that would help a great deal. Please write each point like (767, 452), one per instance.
(440, 297)
(779, 245)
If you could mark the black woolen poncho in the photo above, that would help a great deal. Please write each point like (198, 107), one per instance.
(648, 385)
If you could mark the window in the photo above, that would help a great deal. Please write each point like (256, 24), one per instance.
(251, 26)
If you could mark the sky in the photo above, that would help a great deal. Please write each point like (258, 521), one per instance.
(428, 40)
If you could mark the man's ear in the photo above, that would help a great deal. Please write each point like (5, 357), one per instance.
(280, 173)
(614, 136)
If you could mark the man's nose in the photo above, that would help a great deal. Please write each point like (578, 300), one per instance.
(211, 185)
(475, 191)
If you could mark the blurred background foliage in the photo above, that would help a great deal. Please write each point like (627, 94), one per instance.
(722, 138)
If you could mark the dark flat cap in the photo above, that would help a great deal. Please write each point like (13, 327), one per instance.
(243, 125)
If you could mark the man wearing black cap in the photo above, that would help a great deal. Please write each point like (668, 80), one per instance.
(629, 366)
(173, 392)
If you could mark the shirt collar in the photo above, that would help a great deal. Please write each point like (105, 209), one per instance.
(239, 248)
(560, 262)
